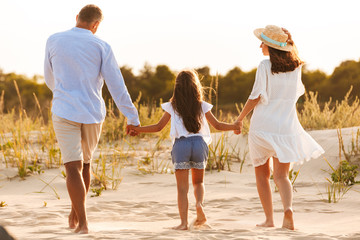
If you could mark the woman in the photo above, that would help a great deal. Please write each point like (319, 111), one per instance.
(275, 131)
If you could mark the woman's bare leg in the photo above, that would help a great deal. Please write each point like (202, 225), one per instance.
(264, 189)
(282, 181)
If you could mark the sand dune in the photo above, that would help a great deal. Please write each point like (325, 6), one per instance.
(144, 206)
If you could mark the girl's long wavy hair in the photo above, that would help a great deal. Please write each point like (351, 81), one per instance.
(187, 98)
(282, 61)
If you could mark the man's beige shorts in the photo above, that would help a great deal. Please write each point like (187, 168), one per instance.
(77, 141)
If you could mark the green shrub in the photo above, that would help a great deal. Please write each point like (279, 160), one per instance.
(345, 173)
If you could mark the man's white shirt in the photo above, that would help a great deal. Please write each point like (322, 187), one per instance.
(76, 64)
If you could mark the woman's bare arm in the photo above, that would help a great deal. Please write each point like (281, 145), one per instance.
(249, 106)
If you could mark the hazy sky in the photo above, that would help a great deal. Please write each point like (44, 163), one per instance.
(186, 33)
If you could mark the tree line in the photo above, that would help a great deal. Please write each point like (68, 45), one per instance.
(157, 83)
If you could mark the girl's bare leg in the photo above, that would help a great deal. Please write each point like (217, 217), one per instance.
(199, 192)
(182, 181)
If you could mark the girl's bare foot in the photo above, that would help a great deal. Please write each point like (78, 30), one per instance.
(201, 218)
(288, 221)
(181, 227)
(266, 224)
(73, 221)
(82, 229)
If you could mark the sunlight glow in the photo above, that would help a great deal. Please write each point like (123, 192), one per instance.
(184, 34)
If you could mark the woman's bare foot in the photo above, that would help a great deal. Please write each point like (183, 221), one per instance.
(82, 229)
(201, 218)
(266, 224)
(181, 227)
(73, 221)
(288, 221)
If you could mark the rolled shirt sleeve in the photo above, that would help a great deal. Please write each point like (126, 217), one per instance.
(115, 82)
(260, 85)
(48, 71)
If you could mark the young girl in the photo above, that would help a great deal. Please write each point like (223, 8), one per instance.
(191, 135)
(275, 130)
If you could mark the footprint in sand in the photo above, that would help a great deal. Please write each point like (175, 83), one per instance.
(204, 226)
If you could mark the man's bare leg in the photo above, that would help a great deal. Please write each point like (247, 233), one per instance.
(86, 173)
(77, 192)
(73, 219)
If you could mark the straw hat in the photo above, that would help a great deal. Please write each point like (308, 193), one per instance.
(273, 36)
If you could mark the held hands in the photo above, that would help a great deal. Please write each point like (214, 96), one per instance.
(130, 130)
(239, 125)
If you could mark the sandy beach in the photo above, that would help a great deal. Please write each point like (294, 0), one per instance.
(144, 206)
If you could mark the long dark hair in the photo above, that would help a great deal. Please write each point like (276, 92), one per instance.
(282, 61)
(187, 98)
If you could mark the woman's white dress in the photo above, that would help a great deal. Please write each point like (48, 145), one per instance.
(275, 130)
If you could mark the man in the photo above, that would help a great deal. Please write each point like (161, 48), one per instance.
(76, 64)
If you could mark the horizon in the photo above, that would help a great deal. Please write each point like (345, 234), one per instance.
(215, 34)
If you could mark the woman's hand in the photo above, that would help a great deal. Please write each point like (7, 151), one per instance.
(289, 40)
(239, 125)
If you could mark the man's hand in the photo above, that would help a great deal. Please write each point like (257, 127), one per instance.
(239, 124)
(131, 131)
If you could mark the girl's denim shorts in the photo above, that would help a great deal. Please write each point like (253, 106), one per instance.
(190, 152)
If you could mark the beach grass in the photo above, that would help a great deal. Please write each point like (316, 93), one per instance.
(29, 143)
(341, 114)
(342, 177)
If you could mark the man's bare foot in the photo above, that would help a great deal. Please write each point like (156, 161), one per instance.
(82, 229)
(201, 218)
(181, 227)
(288, 221)
(73, 221)
(266, 224)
